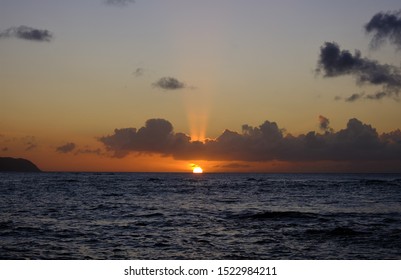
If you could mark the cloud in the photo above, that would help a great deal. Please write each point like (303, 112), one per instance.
(324, 124)
(334, 62)
(385, 26)
(29, 142)
(169, 83)
(155, 137)
(31, 147)
(354, 97)
(90, 151)
(66, 148)
(139, 72)
(120, 3)
(234, 165)
(27, 33)
(267, 142)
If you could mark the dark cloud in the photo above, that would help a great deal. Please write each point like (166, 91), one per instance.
(66, 148)
(385, 26)
(266, 142)
(324, 124)
(380, 95)
(233, 165)
(334, 62)
(27, 33)
(169, 83)
(120, 3)
(90, 151)
(354, 97)
(155, 137)
(376, 96)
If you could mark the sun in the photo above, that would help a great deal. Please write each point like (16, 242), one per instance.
(197, 169)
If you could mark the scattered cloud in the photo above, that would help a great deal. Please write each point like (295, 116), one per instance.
(90, 151)
(29, 142)
(31, 147)
(71, 147)
(376, 96)
(169, 83)
(66, 148)
(324, 124)
(354, 97)
(385, 26)
(139, 72)
(26, 143)
(267, 142)
(334, 62)
(27, 33)
(120, 3)
(379, 95)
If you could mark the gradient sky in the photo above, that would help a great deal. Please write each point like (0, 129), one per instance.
(204, 66)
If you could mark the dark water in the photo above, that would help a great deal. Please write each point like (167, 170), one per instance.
(204, 216)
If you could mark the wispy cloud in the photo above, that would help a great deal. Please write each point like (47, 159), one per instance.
(354, 97)
(334, 62)
(139, 72)
(385, 26)
(27, 33)
(267, 142)
(87, 150)
(66, 148)
(29, 142)
(169, 83)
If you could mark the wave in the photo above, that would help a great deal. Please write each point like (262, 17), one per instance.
(380, 182)
(335, 232)
(5, 225)
(278, 215)
(151, 215)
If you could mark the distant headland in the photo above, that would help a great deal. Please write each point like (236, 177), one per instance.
(8, 164)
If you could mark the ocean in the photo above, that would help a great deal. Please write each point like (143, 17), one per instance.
(199, 216)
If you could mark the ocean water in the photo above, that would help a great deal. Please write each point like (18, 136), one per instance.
(199, 216)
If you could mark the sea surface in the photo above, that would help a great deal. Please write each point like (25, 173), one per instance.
(199, 216)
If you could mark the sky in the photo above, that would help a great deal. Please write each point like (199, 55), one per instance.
(229, 85)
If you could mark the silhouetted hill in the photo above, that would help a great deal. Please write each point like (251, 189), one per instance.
(8, 164)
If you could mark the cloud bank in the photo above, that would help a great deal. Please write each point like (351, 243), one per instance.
(334, 62)
(169, 83)
(27, 33)
(385, 26)
(267, 142)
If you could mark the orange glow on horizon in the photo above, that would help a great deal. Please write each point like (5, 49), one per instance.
(197, 169)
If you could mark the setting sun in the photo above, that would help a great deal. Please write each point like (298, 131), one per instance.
(197, 169)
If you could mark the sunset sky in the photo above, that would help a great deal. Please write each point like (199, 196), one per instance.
(258, 86)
